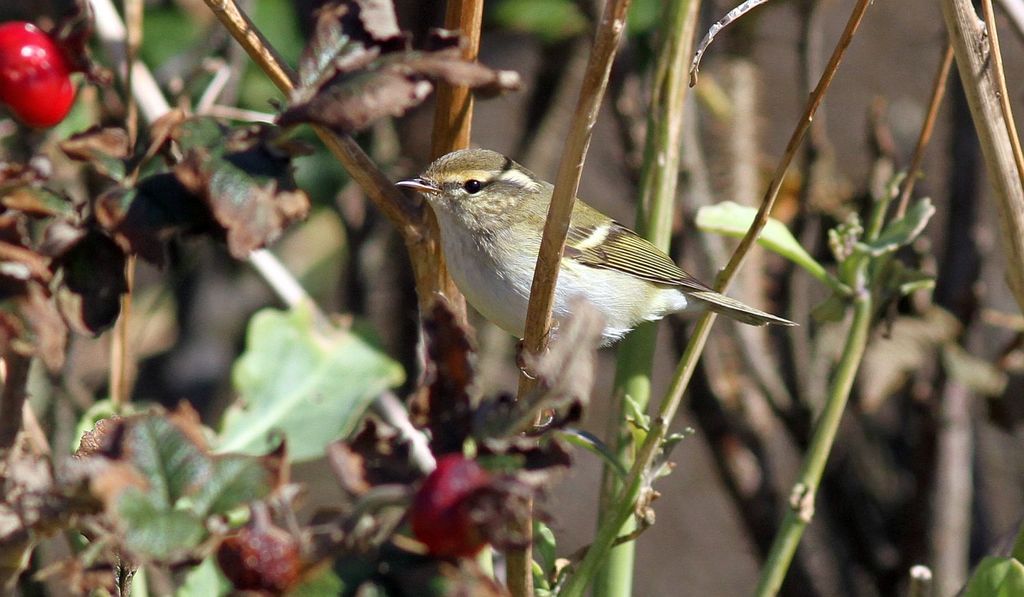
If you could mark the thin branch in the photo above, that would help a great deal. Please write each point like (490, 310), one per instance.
(715, 29)
(623, 509)
(954, 492)
(938, 92)
(1004, 94)
(980, 86)
(545, 275)
(654, 215)
(12, 398)
(570, 168)
(453, 117)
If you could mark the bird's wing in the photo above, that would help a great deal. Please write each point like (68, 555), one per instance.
(610, 245)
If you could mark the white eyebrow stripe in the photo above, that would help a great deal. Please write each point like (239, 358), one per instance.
(596, 237)
(518, 178)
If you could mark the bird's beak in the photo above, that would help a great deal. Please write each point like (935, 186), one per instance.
(419, 184)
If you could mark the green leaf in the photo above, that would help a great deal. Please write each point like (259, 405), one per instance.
(902, 231)
(313, 386)
(831, 309)
(544, 544)
(550, 20)
(171, 464)
(322, 583)
(150, 529)
(589, 442)
(733, 219)
(234, 480)
(996, 577)
(205, 580)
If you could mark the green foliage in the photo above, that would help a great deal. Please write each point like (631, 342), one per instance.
(996, 577)
(902, 231)
(205, 580)
(551, 20)
(733, 219)
(313, 386)
(182, 486)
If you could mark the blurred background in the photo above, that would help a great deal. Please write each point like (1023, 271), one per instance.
(926, 469)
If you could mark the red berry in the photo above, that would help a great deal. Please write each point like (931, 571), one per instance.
(442, 511)
(260, 558)
(34, 80)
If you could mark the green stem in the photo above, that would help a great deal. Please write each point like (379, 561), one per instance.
(655, 212)
(624, 504)
(802, 498)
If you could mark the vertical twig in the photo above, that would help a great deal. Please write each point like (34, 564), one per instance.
(552, 244)
(453, 117)
(1003, 93)
(981, 88)
(654, 215)
(12, 398)
(954, 464)
(938, 92)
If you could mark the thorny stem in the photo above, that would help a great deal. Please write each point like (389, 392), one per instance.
(938, 91)
(623, 508)
(655, 211)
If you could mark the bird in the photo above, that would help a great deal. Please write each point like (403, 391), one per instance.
(491, 213)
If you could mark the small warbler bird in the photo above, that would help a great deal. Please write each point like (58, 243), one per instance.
(491, 212)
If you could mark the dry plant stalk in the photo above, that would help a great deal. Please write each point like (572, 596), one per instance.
(980, 81)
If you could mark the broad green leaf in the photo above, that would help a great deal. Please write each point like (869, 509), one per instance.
(172, 465)
(733, 219)
(996, 577)
(310, 385)
(234, 480)
(155, 531)
(902, 231)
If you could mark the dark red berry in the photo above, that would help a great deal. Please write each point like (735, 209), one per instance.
(34, 81)
(260, 558)
(442, 517)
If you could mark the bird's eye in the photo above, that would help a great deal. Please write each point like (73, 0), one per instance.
(473, 186)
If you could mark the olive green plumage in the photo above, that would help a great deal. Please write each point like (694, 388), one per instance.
(491, 212)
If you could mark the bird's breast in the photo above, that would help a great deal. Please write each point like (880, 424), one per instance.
(496, 275)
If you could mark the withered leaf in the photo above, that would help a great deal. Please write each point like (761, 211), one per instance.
(32, 325)
(377, 455)
(359, 67)
(143, 218)
(245, 178)
(92, 282)
(445, 406)
(106, 149)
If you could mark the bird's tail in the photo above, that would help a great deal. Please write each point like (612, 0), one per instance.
(723, 305)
